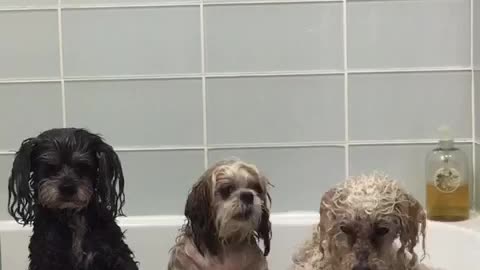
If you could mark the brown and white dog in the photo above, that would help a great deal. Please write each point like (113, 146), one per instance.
(227, 212)
(366, 223)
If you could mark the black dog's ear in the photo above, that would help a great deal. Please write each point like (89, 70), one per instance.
(20, 191)
(198, 211)
(110, 182)
(264, 230)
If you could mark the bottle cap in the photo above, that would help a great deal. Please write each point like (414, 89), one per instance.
(446, 137)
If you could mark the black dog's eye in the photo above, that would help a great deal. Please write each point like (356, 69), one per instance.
(381, 231)
(52, 167)
(225, 191)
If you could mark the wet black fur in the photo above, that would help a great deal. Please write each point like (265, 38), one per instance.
(103, 246)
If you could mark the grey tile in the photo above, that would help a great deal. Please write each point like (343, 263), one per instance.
(476, 34)
(274, 37)
(158, 182)
(138, 113)
(28, 109)
(28, 3)
(477, 104)
(76, 3)
(405, 163)
(422, 33)
(275, 109)
(477, 177)
(296, 173)
(129, 41)
(30, 48)
(5, 168)
(409, 105)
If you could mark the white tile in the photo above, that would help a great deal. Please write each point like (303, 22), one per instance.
(144, 113)
(409, 105)
(29, 46)
(275, 109)
(131, 41)
(294, 172)
(421, 33)
(157, 183)
(405, 163)
(273, 37)
(27, 109)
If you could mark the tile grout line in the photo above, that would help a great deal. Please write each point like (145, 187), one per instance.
(60, 48)
(345, 85)
(204, 85)
(234, 74)
(472, 64)
(340, 144)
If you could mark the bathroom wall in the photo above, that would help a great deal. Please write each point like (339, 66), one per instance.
(476, 85)
(311, 91)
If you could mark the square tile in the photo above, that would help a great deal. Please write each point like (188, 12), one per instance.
(6, 163)
(77, 3)
(409, 105)
(476, 75)
(28, 109)
(28, 3)
(476, 34)
(477, 177)
(274, 37)
(131, 41)
(405, 163)
(19, 58)
(275, 109)
(157, 183)
(141, 113)
(399, 34)
(294, 172)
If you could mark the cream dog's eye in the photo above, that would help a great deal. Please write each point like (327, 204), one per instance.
(381, 231)
(346, 229)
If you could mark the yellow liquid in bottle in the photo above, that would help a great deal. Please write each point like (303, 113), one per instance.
(448, 206)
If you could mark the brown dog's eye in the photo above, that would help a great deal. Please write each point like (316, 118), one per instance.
(225, 191)
(381, 231)
(257, 188)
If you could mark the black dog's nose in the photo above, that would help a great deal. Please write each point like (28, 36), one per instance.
(246, 197)
(68, 189)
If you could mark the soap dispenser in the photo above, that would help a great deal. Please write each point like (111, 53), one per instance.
(448, 196)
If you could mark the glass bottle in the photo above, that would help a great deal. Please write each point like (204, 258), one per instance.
(448, 196)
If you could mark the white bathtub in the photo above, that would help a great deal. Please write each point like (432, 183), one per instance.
(449, 247)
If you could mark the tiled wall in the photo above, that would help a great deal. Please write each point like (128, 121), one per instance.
(311, 91)
(476, 84)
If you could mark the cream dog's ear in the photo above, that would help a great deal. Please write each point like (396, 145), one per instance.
(412, 224)
(327, 218)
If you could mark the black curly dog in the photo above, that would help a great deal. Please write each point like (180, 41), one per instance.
(69, 184)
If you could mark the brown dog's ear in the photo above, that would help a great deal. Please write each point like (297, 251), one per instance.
(412, 225)
(264, 231)
(327, 219)
(199, 213)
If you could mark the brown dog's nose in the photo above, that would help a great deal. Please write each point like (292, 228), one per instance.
(361, 266)
(246, 197)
